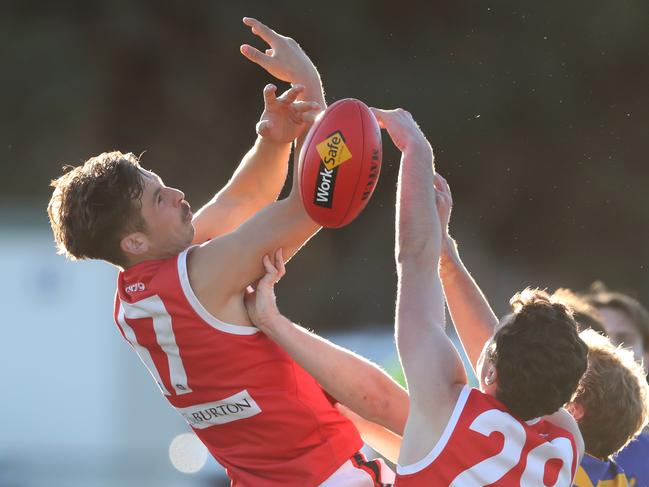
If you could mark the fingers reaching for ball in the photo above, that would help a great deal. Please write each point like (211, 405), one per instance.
(402, 128)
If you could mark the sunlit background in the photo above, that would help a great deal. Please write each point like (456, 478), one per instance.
(538, 113)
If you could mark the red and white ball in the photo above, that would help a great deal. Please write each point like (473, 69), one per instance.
(340, 163)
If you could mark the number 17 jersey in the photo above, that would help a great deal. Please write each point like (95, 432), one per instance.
(484, 445)
(258, 412)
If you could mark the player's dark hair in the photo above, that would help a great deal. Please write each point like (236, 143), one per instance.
(613, 394)
(600, 297)
(95, 205)
(538, 356)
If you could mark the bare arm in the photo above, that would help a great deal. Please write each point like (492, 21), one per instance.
(260, 176)
(432, 365)
(469, 309)
(220, 270)
(381, 439)
(353, 380)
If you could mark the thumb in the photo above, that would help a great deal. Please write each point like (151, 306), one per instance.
(249, 299)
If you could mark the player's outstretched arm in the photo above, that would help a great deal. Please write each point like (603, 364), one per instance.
(469, 309)
(432, 365)
(285, 60)
(220, 270)
(353, 380)
(261, 174)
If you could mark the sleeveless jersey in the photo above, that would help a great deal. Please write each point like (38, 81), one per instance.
(634, 460)
(260, 415)
(484, 445)
(594, 472)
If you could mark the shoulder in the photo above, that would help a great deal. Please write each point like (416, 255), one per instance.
(564, 420)
(145, 278)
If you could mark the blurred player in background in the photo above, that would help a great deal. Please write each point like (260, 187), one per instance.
(447, 436)
(611, 408)
(180, 304)
(626, 322)
(586, 316)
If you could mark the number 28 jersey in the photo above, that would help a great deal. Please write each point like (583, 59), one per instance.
(484, 445)
(260, 415)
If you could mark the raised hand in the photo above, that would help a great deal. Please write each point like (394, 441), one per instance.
(284, 119)
(402, 128)
(284, 59)
(444, 202)
(260, 302)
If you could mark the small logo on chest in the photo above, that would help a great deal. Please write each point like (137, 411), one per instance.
(135, 287)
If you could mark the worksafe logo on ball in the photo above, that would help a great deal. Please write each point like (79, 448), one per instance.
(333, 152)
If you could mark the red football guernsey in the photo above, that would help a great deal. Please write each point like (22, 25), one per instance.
(484, 445)
(260, 415)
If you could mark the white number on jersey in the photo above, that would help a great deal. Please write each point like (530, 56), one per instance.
(153, 308)
(493, 468)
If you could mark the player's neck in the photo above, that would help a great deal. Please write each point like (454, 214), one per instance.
(134, 260)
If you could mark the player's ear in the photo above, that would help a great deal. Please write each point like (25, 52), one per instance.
(576, 410)
(134, 243)
(491, 378)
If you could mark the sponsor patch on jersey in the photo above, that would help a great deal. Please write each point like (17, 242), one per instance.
(239, 406)
(333, 150)
(135, 287)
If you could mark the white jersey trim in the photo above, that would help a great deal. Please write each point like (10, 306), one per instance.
(198, 307)
(443, 440)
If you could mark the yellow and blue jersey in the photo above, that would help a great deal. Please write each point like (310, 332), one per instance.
(593, 472)
(634, 460)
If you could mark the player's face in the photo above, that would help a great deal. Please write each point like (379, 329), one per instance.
(168, 217)
(622, 331)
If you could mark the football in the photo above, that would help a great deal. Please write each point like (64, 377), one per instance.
(340, 163)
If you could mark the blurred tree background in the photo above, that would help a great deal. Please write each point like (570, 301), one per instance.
(538, 113)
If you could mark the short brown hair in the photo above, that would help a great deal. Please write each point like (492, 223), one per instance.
(614, 396)
(586, 315)
(95, 205)
(600, 297)
(538, 355)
